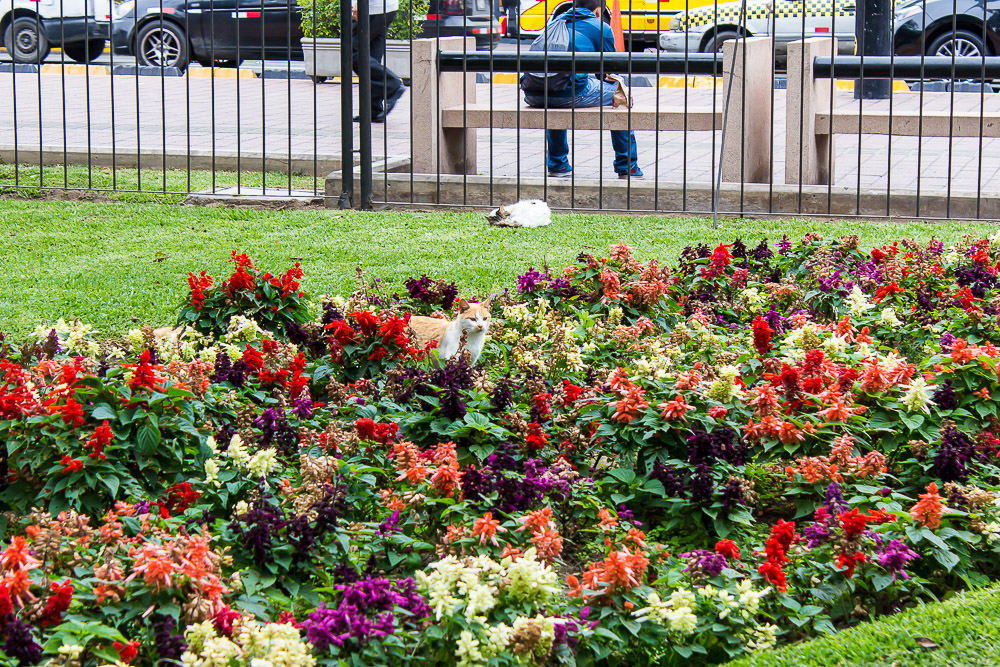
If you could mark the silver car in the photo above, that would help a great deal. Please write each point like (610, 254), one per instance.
(706, 29)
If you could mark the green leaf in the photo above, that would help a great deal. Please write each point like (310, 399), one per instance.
(103, 411)
(946, 558)
(655, 487)
(623, 475)
(912, 421)
(111, 482)
(148, 438)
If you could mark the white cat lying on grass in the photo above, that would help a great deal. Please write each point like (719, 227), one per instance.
(526, 213)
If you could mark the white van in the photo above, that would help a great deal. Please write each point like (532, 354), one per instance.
(30, 28)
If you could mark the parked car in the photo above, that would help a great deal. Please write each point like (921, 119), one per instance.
(172, 33)
(30, 28)
(705, 30)
(454, 18)
(947, 27)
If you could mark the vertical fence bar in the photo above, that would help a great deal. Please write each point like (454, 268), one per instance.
(346, 104)
(364, 102)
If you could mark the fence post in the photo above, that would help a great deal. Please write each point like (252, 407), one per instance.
(809, 151)
(456, 144)
(748, 63)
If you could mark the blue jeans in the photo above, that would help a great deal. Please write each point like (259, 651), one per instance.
(594, 94)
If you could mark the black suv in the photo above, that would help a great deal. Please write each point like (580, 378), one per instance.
(172, 33)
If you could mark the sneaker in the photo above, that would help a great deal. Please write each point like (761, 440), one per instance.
(561, 174)
(635, 175)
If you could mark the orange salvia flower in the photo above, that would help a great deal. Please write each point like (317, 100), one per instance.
(929, 508)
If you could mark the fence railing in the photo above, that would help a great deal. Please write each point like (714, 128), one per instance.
(214, 100)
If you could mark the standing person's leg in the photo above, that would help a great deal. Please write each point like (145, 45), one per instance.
(387, 88)
(622, 141)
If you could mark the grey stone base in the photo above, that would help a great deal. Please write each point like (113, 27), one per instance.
(245, 196)
(153, 159)
(645, 196)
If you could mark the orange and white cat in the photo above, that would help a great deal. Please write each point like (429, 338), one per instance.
(474, 319)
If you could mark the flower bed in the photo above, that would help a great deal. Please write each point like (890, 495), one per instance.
(649, 464)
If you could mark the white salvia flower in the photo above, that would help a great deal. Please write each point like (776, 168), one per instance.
(729, 602)
(212, 473)
(992, 532)
(707, 591)
(241, 508)
(858, 302)
(918, 396)
(835, 345)
(236, 452)
(682, 620)
(889, 318)
(682, 598)
(615, 316)
(864, 350)
(764, 637)
(467, 650)
(212, 444)
(530, 580)
(263, 462)
(243, 329)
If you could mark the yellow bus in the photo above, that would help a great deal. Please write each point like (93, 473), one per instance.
(642, 20)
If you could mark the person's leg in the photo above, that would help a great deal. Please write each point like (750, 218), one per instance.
(386, 87)
(557, 155)
(622, 141)
(557, 146)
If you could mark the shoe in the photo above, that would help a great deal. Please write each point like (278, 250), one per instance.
(561, 174)
(635, 175)
(390, 103)
(376, 118)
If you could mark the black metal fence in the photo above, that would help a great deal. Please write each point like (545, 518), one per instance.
(753, 108)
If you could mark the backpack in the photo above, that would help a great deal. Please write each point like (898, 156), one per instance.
(556, 39)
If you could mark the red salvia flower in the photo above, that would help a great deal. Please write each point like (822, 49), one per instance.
(101, 439)
(762, 335)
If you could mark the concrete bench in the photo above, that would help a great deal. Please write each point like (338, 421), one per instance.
(446, 113)
(815, 116)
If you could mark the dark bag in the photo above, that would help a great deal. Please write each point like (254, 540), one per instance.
(556, 39)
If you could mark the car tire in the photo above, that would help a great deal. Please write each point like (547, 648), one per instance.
(85, 52)
(318, 79)
(162, 44)
(714, 45)
(961, 43)
(25, 41)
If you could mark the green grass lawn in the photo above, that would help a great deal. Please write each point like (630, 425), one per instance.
(113, 264)
(138, 186)
(965, 629)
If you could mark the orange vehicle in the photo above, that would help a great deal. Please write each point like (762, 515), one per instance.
(642, 20)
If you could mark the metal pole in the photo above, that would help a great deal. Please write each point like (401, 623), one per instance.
(873, 29)
(365, 103)
(346, 105)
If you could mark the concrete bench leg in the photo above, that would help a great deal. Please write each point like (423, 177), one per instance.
(457, 145)
(809, 151)
(749, 65)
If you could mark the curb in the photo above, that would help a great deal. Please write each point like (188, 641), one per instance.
(748, 199)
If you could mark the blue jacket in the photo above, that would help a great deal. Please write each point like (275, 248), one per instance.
(590, 35)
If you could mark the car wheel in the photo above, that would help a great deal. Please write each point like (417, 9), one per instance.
(714, 45)
(85, 52)
(961, 44)
(25, 41)
(162, 44)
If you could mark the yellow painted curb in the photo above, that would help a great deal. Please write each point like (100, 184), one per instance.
(897, 86)
(220, 73)
(505, 77)
(98, 70)
(690, 82)
(337, 79)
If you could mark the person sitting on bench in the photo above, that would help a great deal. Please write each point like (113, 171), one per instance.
(582, 31)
